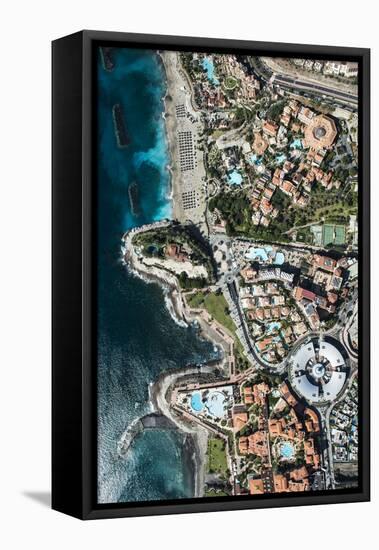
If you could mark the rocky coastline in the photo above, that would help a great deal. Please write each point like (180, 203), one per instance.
(196, 437)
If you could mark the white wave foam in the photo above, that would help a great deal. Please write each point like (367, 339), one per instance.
(170, 308)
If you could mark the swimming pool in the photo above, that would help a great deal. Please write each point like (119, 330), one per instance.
(279, 258)
(215, 404)
(280, 158)
(275, 325)
(196, 402)
(260, 254)
(208, 65)
(253, 159)
(296, 144)
(235, 177)
(287, 450)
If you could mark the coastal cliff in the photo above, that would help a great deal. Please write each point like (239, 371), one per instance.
(154, 274)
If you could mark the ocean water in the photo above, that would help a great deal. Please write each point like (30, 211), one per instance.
(137, 338)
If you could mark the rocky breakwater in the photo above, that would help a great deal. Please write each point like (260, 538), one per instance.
(152, 421)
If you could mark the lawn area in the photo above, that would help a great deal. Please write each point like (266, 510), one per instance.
(214, 493)
(334, 212)
(230, 82)
(217, 456)
(195, 300)
(217, 306)
(305, 235)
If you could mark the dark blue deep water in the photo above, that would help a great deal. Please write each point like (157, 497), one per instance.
(137, 338)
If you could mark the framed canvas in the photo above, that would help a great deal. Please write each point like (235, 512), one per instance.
(210, 275)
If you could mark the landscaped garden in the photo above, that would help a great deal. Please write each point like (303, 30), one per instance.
(217, 463)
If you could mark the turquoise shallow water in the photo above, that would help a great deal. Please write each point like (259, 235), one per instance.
(208, 65)
(137, 338)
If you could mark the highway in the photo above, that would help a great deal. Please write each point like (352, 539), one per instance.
(269, 77)
(294, 83)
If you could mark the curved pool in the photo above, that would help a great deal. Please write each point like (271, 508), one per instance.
(196, 402)
(260, 254)
(215, 404)
(235, 177)
(208, 66)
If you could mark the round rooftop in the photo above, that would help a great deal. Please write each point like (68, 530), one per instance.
(319, 370)
(319, 132)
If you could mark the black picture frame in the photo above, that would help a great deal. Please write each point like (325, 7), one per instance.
(74, 279)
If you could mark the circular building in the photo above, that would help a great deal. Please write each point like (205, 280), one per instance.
(320, 133)
(319, 370)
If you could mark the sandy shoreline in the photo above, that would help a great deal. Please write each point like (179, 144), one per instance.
(173, 82)
(184, 129)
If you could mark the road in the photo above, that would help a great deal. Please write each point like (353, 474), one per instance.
(327, 414)
(346, 317)
(297, 84)
(292, 83)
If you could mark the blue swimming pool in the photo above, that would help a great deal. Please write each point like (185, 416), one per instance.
(235, 177)
(279, 258)
(274, 325)
(260, 254)
(196, 402)
(254, 160)
(280, 158)
(208, 65)
(296, 144)
(287, 450)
